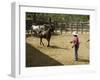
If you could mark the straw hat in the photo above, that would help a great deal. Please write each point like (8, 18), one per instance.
(74, 33)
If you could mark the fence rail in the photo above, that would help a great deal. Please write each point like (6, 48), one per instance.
(66, 27)
(79, 27)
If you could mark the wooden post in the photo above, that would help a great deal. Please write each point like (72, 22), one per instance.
(82, 28)
(77, 27)
(71, 27)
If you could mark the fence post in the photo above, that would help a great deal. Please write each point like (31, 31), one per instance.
(82, 28)
(77, 27)
(71, 27)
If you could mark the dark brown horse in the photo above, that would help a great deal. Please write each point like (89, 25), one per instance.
(47, 35)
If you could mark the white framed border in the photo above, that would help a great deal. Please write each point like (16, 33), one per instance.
(18, 41)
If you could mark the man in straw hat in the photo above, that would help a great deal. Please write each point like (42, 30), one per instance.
(75, 42)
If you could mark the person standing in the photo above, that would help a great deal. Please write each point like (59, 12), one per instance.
(75, 42)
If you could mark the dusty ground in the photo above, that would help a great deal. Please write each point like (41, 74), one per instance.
(59, 53)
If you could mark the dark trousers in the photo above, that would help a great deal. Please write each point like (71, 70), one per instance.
(76, 52)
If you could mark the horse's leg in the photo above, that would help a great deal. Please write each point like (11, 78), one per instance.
(48, 39)
(41, 41)
(48, 42)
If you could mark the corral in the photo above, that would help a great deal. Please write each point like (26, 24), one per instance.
(60, 51)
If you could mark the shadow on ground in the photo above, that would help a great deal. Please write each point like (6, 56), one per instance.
(29, 35)
(57, 47)
(34, 58)
(83, 60)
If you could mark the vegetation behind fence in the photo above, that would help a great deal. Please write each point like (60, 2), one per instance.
(61, 22)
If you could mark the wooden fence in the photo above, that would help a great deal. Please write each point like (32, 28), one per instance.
(61, 27)
(79, 27)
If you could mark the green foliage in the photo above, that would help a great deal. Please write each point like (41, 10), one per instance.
(41, 18)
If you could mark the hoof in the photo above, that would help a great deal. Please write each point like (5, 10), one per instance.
(48, 46)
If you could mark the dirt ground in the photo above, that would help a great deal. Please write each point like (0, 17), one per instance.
(60, 51)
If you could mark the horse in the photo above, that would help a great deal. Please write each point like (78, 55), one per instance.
(37, 28)
(47, 35)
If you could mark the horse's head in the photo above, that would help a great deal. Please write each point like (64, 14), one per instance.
(52, 28)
